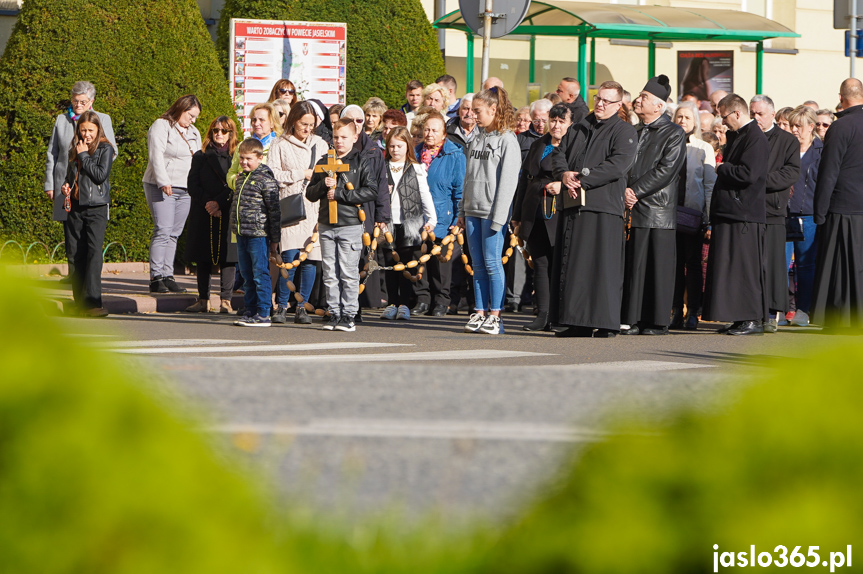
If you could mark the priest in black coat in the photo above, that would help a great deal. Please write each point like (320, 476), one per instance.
(736, 270)
(783, 171)
(837, 299)
(592, 162)
(648, 280)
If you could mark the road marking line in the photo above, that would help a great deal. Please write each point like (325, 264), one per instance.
(258, 349)
(479, 430)
(633, 366)
(174, 342)
(391, 357)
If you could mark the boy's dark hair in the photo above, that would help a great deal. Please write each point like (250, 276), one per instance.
(251, 145)
(344, 123)
(414, 85)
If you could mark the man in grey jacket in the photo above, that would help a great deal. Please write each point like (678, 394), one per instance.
(57, 160)
(651, 195)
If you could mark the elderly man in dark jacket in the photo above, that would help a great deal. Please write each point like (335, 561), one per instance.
(538, 120)
(783, 170)
(592, 162)
(735, 289)
(651, 252)
(838, 294)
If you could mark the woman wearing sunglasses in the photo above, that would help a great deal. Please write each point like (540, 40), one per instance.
(283, 90)
(207, 229)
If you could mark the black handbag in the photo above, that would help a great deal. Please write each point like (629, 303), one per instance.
(794, 229)
(293, 209)
(688, 220)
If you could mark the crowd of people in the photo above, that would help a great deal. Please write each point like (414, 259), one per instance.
(637, 217)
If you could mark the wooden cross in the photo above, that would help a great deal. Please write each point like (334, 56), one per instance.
(331, 168)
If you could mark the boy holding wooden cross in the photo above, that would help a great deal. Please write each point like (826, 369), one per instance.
(341, 235)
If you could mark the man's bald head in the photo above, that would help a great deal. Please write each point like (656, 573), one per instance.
(492, 82)
(851, 93)
(715, 97)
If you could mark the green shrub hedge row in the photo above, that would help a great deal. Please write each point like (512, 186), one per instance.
(141, 55)
(390, 42)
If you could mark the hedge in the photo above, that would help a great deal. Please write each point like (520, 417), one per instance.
(141, 55)
(390, 42)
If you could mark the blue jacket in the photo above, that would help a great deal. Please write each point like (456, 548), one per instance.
(445, 179)
(804, 190)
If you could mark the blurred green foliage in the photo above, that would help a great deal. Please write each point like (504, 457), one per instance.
(390, 42)
(96, 476)
(141, 56)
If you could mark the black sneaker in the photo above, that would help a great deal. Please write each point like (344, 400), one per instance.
(346, 324)
(157, 285)
(280, 315)
(302, 317)
(330, 323)
(172, 285)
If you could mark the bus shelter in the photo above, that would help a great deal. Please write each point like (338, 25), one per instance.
(592, 20)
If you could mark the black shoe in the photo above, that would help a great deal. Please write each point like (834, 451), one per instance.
(586, 332)
(67, 280)
(346, 324)
(157, 285)
(538, 324)
(676, 320)
(633, 330)
(172, 285)
(747, 328)
(439, 310)
(691, 323)
(726, 328)
(604, 334)
(770, 326)
(654, 330)
(280, 315)
(302, 318)
(330, 322)
(453, 310)
(358, 318)
(510, 308)
(420, 309)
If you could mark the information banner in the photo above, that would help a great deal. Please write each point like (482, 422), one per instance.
(704, 72)
(309, 54)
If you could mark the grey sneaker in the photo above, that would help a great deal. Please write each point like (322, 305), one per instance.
(280, 315)
(244, 316)
(255, 321)
(403, 313)
(330, 322)
(491, 326)
(389, 313)
(346, 324)
(475, 322)
(302, 317)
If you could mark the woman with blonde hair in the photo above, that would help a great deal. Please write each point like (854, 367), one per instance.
(437, 97)
(283, 108)
(374, 110)
(266, 128)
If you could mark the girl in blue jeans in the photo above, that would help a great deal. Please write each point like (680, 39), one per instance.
(491, 178)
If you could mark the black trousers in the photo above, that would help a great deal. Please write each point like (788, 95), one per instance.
(439, 279)
(205, 271)
(689, 277)
(400, 289)
(540, 249)
(648, 280)
(461, 286)
(70, 246)
(87, 229)
(509, 274)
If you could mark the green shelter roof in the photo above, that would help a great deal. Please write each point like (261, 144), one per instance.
(658, 23)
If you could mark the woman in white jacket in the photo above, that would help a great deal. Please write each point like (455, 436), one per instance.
(292, 158)
(413, 211)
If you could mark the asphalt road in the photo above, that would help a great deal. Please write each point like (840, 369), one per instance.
(419, 415)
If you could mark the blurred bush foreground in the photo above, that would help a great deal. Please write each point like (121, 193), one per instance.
(96, 477)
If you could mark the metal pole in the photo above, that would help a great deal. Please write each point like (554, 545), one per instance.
(469, 71)
(853, 48)
(582, 66)
(759, 68)
(651, 59)
(486, 37)
(592, 61)
(440, 12)
(531, 76)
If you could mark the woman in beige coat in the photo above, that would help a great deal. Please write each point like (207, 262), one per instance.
(292, 158)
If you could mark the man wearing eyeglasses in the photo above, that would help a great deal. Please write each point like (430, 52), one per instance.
(651, 252)
(591, 162)
(736, 269)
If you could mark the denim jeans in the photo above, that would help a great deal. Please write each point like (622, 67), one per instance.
(254, 263)
(804, 258)
(489, 284)
(306, 279)
(169, 218)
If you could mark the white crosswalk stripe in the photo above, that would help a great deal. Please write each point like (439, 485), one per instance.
(389, 357)
(210, 350)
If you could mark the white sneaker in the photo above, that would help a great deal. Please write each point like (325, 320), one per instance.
(625, 327)
(781, 321)
(801, 319)
(491, 326)
(403, 313)
(475, 322)
(389, 313)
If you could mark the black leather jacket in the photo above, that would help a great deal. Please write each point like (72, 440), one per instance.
(365, 189)
(94, 187)
(654, 177)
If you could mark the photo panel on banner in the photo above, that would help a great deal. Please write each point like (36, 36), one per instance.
(700, 73)
(312, 55)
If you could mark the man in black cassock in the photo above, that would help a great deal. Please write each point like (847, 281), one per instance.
(648, 279)
(783, 170)
(837, 299)
(587, 272)
(736, 270)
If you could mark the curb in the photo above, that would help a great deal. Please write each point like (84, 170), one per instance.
(63, 268)
(123, 305)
